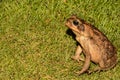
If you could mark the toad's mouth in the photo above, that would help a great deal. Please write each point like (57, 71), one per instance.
(68, 23)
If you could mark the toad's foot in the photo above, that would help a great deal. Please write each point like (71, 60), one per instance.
(77, 58)
(79, 73)
(97, 69)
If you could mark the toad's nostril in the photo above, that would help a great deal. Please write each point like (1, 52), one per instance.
(75, 22)
(68, 20)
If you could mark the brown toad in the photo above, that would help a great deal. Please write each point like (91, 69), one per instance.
(94, 44)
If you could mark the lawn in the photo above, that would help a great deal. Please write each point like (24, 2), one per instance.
(34, 44)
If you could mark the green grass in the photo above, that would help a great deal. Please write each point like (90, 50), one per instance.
(34, 44)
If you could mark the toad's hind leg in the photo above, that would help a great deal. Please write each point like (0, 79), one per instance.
(99, 68)
(85, 66)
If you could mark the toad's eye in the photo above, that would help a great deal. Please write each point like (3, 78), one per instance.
(75, 22)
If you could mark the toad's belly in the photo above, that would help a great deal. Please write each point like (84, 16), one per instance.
(95, 57)
(95, 53)
(90, 48)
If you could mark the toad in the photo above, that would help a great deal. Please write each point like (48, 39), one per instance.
(94, 44)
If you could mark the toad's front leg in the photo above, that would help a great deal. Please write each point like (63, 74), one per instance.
(86, 64)
(77, 56)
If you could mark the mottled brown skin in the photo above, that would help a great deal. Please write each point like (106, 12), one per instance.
(94, 44)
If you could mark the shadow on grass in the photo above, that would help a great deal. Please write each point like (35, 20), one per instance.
(70, 33)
